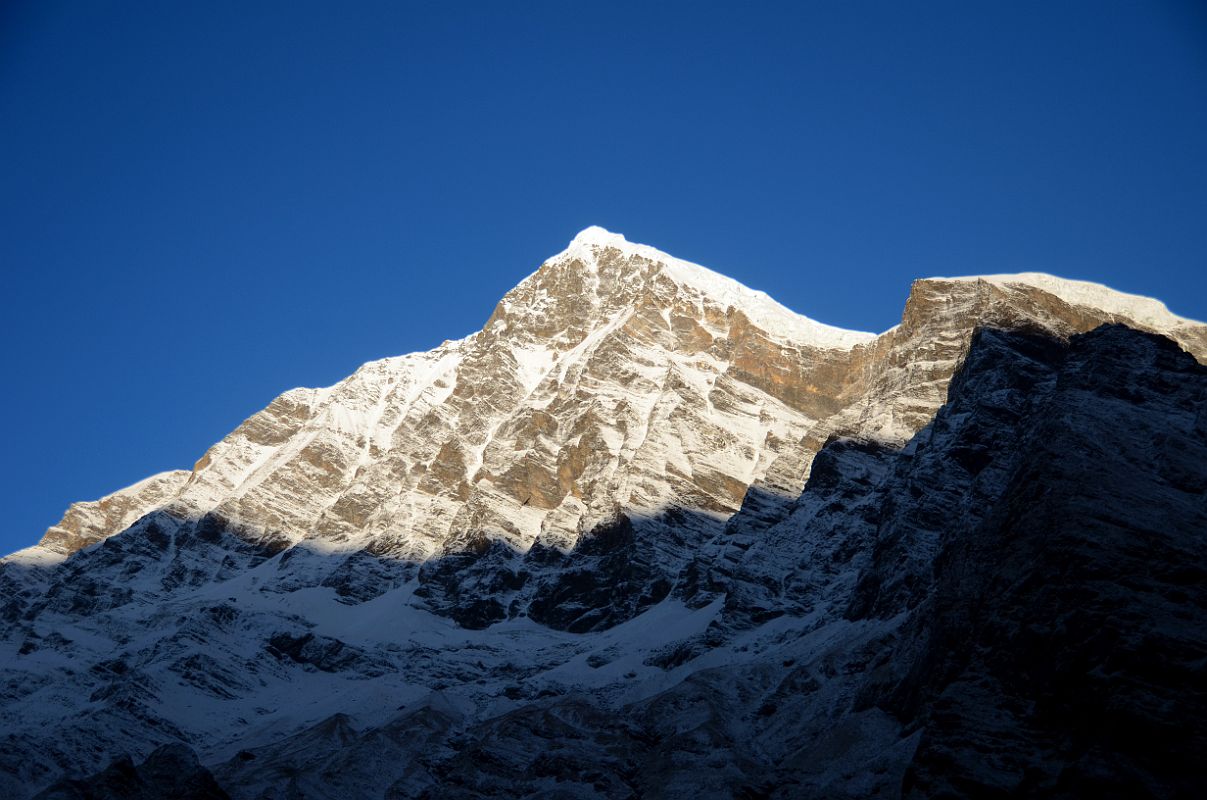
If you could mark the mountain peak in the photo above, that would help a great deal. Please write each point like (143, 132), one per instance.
(587, 247)
(594, 234)
(594, 238)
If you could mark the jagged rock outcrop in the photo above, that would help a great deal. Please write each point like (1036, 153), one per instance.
(171, 771)
(650, 532)
(87, 523)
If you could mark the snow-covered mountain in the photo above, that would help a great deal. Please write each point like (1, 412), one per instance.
(647, 533)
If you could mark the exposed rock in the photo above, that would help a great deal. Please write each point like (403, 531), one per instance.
(87, 523)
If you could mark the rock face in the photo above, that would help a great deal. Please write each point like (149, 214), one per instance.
(648, 533)
(87, 523)
(170, 771)
(1060, 650)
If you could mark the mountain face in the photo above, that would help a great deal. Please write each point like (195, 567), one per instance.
(649, 533)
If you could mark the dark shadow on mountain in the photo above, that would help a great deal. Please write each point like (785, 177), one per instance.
(617, 570)
(171, 771)
(1036, 557)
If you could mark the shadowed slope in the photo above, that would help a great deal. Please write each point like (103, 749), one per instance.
(1008, 605)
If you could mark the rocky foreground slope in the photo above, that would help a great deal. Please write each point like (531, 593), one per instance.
(649, 533)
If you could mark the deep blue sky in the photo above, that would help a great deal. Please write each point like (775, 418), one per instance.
(204, 204)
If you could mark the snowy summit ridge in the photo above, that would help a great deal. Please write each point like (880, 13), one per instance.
(757, 305)
(1145, 310)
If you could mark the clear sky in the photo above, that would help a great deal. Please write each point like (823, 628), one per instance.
(204, 204)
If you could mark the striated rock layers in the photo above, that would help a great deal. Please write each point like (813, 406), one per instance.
(649, 533)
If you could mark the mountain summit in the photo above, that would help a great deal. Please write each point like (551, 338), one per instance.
(697, 538)
(605, 254)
